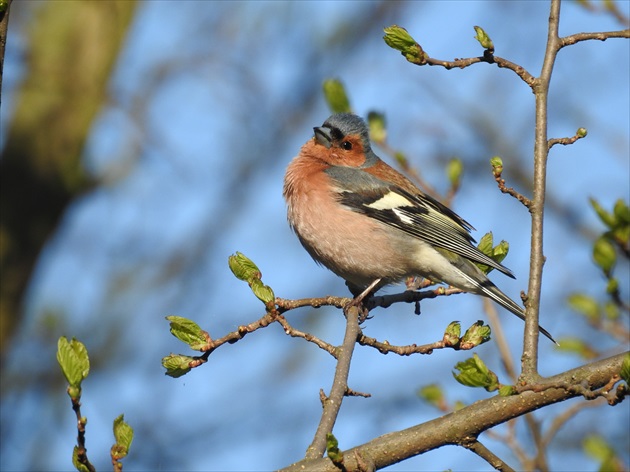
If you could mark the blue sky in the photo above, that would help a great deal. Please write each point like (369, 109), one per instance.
(208, 104)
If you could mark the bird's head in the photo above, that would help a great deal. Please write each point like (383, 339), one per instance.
(344, 140)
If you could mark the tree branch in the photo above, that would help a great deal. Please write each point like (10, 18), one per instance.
(487, 455)
(81, 451)
(469, 422)
(489, 58)
(529, 360)
(332, 404)
(296, 333)
(602, 36)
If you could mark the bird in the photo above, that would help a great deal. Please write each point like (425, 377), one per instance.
(370, 225)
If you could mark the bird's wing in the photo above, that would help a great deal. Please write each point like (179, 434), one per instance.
(418, 215)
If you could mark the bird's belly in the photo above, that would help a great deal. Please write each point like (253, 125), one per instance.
(340, 243)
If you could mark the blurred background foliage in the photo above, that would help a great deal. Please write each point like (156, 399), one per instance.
(145, 142)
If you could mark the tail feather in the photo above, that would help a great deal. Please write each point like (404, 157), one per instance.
(487, 288)
(506, 302)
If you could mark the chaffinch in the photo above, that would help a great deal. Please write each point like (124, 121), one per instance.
(371, 225)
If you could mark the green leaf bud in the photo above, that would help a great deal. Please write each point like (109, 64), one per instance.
(378, 129)
(398, 38)
(336, 96)
(73, 359)
(243, 267)
(474, 373)
(189, 332)
(484, 39)
(604, 254)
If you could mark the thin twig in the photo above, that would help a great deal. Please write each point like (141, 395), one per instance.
(487, 455)
(284, 304)
(81, 449)
(565, 141)
(296, 333)
(488, 58)
(560, 420)
(410, 296)
(512, 442)
(509, 190)
(386, 348)
(601, 36)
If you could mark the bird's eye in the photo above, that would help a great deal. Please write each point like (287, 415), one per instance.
(347, 145)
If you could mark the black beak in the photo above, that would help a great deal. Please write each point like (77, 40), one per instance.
(323, 137)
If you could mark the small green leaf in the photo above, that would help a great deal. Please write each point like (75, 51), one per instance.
(497, 165)
(608, 219)
(398, 38)
(612, 462)
(177, 365)
(625, 369)
(577, 346)
(612, 7)
(336, 96)
(507, 390)
(604, 254)
(584, 305)
(621, 235)
(611, 310)
(189, 332)
(243, 268)
(597, 447)
(454, 172)
(452, 333)
(621, 212)
(432, 394)
(123, 434)
(585, 4)
(73, 358)
(496, 253)
(332, 449)
(75, 461)
(500, 251)
(612, 286)
(474, 373)
(263, 292)
(484, 39)
(378, 128)
(485, 244)
(477, 334)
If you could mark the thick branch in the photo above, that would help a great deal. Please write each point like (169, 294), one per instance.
(459, 427)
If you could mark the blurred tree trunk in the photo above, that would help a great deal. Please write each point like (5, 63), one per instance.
(72, 49)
